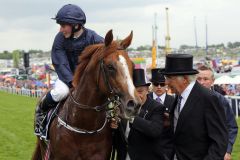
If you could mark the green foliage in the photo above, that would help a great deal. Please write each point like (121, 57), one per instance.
(233, 45)
(186, 47)
(5, 55)
(16, 57)
(145, 47)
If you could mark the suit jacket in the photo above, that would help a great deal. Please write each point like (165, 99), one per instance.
(165, 143)
(231, 121)
(201, 132)
(144, 133)
(168, 102)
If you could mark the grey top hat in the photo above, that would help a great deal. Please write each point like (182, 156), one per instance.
(179, 64)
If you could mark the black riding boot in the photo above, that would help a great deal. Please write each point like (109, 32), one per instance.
(42, 109)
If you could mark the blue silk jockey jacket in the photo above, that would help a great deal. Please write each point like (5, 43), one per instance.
(65, 52)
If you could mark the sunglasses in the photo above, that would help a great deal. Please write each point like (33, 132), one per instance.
(157, 84)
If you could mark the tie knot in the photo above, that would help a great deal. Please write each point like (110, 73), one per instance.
(158, 99)
(179, 98)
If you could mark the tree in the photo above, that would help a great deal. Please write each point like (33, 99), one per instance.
(16, 57)
(230, 45)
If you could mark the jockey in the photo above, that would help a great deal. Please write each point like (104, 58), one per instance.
(68, 44)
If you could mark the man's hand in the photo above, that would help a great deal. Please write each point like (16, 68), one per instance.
(227, 156)
(114, 123)
(166, 119)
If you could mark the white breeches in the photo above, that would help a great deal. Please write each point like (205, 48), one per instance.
(59, 91)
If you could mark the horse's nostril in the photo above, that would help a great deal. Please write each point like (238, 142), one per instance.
(131, 104)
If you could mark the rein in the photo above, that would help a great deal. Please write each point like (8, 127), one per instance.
(110, 106)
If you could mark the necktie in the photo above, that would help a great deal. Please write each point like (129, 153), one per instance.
(177, 111)
(158, 99)
(179, 103)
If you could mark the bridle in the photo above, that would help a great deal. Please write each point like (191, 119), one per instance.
(110, 106)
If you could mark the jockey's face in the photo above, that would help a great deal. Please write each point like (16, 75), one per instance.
(66, 29)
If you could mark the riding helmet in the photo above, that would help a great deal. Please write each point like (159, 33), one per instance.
(70, 14)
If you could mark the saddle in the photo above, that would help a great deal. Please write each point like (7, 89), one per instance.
(45, 126)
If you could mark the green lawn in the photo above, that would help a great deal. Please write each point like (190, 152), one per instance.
(236, 147)
(16, 128)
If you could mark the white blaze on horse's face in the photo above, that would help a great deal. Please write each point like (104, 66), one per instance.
(128, 79)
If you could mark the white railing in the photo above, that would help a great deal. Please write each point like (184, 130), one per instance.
(234, 103)
(233, 100)
(22, 91)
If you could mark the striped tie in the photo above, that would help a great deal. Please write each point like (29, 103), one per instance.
(158, 99)
(179, 104)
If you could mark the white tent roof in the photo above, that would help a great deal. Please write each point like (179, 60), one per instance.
(236, 80)
(224, 80)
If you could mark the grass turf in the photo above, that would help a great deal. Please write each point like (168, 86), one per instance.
(17, 140)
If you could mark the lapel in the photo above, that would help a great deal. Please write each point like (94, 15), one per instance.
(145, 108)
(188, 106)
(150, 95)
(167, 101)
(143, 113)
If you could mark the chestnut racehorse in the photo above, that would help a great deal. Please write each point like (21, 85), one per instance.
(102, 80)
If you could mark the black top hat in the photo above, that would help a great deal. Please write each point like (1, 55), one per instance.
(179, 64)
(139, 78)
(157, 76)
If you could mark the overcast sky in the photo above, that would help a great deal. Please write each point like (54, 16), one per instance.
(27, 24)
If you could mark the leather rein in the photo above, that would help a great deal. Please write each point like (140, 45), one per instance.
(109, 106)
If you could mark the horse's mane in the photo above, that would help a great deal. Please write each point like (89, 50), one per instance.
(89, 58)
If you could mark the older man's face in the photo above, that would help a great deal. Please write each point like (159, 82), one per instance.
(177, 83)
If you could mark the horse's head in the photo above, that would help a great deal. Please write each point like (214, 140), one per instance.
(111, 71)
(119, 69)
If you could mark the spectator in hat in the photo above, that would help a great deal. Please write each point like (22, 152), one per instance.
(159, 89)
(206, 78)
(199, 124)
(143, 131)
(159, 93)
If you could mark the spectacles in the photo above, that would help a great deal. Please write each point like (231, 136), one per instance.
(157, 84)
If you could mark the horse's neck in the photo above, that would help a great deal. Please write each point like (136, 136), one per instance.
(85, 94)
(88, 93)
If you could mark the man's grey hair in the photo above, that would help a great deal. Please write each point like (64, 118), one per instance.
(190, 77)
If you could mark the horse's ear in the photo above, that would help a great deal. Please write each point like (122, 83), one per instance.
(127, 41)
(108, 38)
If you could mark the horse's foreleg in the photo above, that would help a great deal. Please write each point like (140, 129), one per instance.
(37, 152)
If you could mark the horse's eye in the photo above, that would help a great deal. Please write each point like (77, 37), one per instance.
(110, 67)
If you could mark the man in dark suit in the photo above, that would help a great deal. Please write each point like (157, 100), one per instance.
(199, 124)
(159, 93)
(143, 131)
(159, 89)
(206, 78)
